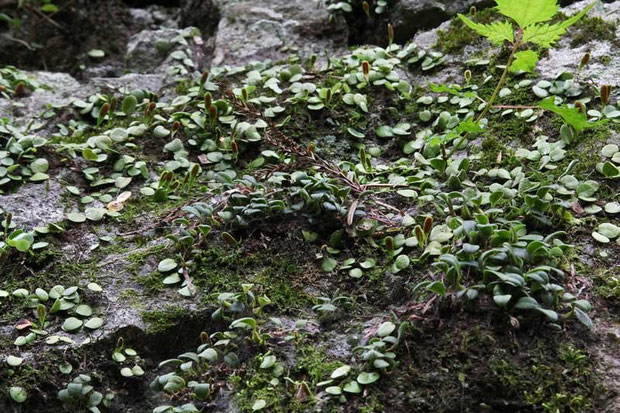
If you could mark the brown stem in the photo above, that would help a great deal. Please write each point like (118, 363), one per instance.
(514, 107)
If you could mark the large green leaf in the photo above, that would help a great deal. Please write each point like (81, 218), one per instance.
(525, 61)
(545, 35)
(528, 12)
(572, 116)
(496, 32)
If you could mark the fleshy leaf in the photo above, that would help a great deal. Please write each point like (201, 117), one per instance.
(496, 32)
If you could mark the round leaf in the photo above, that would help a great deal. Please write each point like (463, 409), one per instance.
(167, 265)
(18, 394)
(72, 324)
(367, 378)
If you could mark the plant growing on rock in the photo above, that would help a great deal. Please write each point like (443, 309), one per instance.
(528, 26)
(80, 394)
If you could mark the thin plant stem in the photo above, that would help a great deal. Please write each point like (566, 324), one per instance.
(502, 80)
(498, 88)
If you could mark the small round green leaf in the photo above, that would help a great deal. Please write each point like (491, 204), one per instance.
(94, 323)
(166, 265)
(18, 394)
(367, 378)
(72, 324)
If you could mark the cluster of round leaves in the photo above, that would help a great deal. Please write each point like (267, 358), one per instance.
(80, 394)
(376, 357)
(129, 361)
(14, 82)
(57, 301)
(19, 161)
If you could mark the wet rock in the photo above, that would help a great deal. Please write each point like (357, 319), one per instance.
(605, 353)
(80, 246)
(153, 17)
(151, 82)
(258, 30)
(338, 346)
(64, 45)
(203, 14)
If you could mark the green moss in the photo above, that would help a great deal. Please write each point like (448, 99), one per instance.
(558, 381)
(160, 321)
(32, 377)
(608, 287)
(312, 367)
(130, 295)
(372, 404)
(136, 261)
(257, 386)
(482, 368)
(313, 362)
(221, 270)
(152, 282)
(458, 35)
(144, 205)
(593, 28)
(489, 151)
(278, 278)
(512, 128)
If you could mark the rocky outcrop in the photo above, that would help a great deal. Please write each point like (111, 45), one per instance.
(164, 42)
(411, 16)
(604, 66)
(259, 30)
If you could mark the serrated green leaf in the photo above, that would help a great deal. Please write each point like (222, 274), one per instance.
(525, 61)
(545, 35)
(496, 32)
(528, 12)
(572, 116)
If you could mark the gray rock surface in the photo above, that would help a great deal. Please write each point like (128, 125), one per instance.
(35, 204)
(159, 51)
(604, 67)
(258, 30)
(57, 90)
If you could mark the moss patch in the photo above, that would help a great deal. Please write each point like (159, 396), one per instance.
(160, 321)
(593, 28)
(457, 36)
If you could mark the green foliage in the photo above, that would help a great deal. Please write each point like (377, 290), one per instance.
(497, 32)
(529, 16)
(290, 201)
(525, 61)
(545, 35)
(572, 116)
(80, 394)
